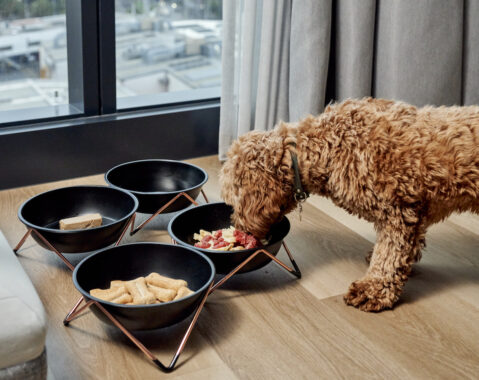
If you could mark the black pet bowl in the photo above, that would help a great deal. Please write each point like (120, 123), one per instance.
(155, 182)
(44, 211)
(129, 261)
(215, 216)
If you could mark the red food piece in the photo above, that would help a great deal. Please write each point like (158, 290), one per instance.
(202, 244)
(240, 237)
(251, 242)
(246, 240)
(216, 240)
(220, 244)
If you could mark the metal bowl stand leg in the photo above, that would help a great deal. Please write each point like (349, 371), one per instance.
(54, 250)
(165, 368)
(163, 208)
(294, 271)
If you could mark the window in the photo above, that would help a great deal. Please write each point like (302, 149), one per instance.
(63, 59)
(33, 54)
(76, 89)
(167, 50)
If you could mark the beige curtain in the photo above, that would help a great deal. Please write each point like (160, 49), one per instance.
(283, 59)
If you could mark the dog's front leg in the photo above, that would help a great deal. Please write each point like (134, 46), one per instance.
(390, 265)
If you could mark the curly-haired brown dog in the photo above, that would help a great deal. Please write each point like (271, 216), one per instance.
(400, 167)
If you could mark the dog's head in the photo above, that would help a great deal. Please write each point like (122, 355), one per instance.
(257, 180)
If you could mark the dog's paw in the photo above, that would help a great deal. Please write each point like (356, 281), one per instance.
(372, 294)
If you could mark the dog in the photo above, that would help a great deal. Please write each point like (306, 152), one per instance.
(400, 167)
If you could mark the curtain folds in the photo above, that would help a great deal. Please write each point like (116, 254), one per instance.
(285, 59)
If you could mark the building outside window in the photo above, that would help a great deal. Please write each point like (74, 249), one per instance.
(167, 46)
(166, 51)
(33, 54)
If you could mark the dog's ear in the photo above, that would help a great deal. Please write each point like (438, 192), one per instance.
(252, 180)
(258, 204)
(279, 139)
(286, 141)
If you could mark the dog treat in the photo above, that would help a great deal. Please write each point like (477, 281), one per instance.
(109, 294)
(152, 289)
(81, 222)
(165, 282)
(182, 292)
(162, 294)
(139, 291)
(124, 299)
(117, 283)
(227, 239)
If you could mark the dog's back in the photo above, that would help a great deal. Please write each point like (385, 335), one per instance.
(451, 158)
(429, 153)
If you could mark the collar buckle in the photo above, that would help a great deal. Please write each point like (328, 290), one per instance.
(300, 195)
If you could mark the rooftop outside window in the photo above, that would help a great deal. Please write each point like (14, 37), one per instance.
(33, 54)
(167, 51)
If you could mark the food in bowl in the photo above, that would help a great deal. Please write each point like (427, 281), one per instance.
(226, 239)
(81, 222)
(151, 289)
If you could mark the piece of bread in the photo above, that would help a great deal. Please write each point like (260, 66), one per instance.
(81, 222)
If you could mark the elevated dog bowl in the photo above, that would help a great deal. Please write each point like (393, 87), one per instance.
(44, 211)
(215, 216)
(129, 261)
(156, 182)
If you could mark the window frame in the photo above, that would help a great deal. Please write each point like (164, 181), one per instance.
(91, 134)
(91, 57)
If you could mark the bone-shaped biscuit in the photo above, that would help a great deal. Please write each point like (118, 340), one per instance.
(124, 299)
(116, 283)
(156, 279)
(139, 291)
(108, 294)
(162, 294)
(183, 292)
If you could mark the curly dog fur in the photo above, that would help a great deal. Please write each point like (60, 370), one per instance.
(400, 167)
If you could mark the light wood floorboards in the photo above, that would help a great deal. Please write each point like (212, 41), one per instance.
(266, 324)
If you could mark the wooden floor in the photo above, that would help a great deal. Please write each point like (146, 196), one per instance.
(268, 325)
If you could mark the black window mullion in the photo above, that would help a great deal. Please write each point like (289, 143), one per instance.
(107, 61)
(83, 63)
